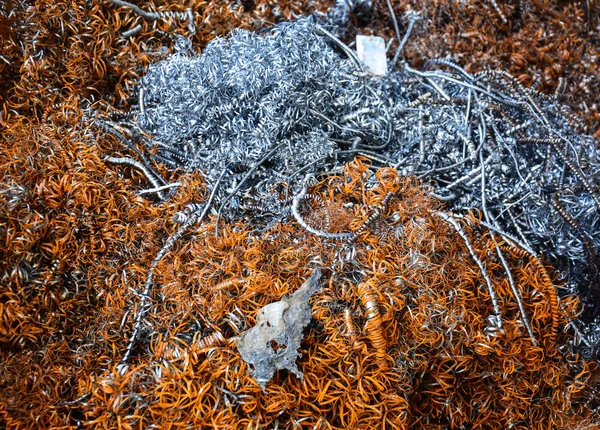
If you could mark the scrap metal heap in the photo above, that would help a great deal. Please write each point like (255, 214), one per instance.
(402, 334)
(290, 103)
(326, 249)
(266, 116)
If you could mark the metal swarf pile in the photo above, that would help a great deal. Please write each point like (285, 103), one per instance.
(398, 337)
(256, 110)
(404, 327)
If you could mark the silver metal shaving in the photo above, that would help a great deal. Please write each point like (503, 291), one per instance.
(483, 141)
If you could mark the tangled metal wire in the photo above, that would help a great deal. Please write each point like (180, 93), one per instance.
(400, 336)
(399, 339)
(272, 107)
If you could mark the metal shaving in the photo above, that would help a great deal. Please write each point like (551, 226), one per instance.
(483, 141)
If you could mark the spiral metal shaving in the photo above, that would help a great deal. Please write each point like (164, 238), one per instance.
(482, 140)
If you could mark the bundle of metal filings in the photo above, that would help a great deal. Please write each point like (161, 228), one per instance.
(254, 111)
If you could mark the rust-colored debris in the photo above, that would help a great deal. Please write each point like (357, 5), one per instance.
(400, 335)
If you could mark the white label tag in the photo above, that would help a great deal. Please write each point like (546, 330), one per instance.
(371, 51)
